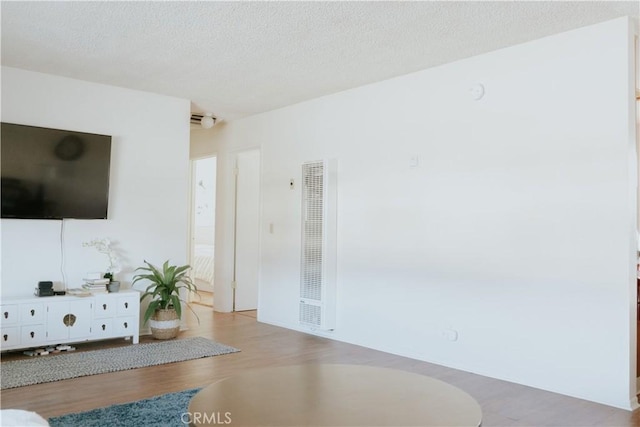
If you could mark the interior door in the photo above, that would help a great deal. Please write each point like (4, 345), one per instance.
(247, 230)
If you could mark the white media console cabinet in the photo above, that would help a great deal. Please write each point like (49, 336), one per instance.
(44, 321)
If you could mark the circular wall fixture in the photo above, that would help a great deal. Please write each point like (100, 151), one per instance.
(71, 147)
(207, 121)
(477, 91)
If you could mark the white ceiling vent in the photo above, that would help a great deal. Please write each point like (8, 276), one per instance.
(205, 120)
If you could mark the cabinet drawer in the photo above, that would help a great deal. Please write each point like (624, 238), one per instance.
(104, 306)
(125, 325)
(32, 335)
(9, 337)
(128, 305)
(31, 313)
(102, 328)
(9, 314)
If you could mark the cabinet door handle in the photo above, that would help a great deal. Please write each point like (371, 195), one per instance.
(69, 320)
(33, 334)
(5, 337)
(104, 306)
(126, 325)
(104, 327)
(33, 312)
(6, 314)
(126, 305)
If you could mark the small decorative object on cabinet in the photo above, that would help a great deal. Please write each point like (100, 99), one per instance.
(34, 322)
(113, 286)
(165, 309)
(104, 246)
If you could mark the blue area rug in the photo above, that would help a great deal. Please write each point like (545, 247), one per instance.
(167, 410)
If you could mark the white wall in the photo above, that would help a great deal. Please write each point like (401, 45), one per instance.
(148, 204)
(517, 228)
(201, 143)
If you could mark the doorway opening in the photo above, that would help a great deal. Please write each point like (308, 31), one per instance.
(203, 219)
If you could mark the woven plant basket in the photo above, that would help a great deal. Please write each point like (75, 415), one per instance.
(164, 324)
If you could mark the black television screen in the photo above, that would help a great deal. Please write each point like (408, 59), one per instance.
(53, 173)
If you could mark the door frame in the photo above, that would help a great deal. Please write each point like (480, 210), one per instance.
(236, 155)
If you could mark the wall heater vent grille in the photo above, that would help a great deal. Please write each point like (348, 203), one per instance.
(312, 215)
(310, 314)
(317, 281)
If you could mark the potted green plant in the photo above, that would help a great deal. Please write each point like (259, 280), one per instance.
(165, 308)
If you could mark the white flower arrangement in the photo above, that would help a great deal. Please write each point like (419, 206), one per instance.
(104, 247)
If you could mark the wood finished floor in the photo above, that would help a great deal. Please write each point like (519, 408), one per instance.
(503, 403)
(203, 298)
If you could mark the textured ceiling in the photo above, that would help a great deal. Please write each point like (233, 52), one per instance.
(235, 59)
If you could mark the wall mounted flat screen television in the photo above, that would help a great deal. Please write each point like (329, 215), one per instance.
(53, 173)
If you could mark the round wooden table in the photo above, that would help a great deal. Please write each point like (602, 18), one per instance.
(332, 395)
